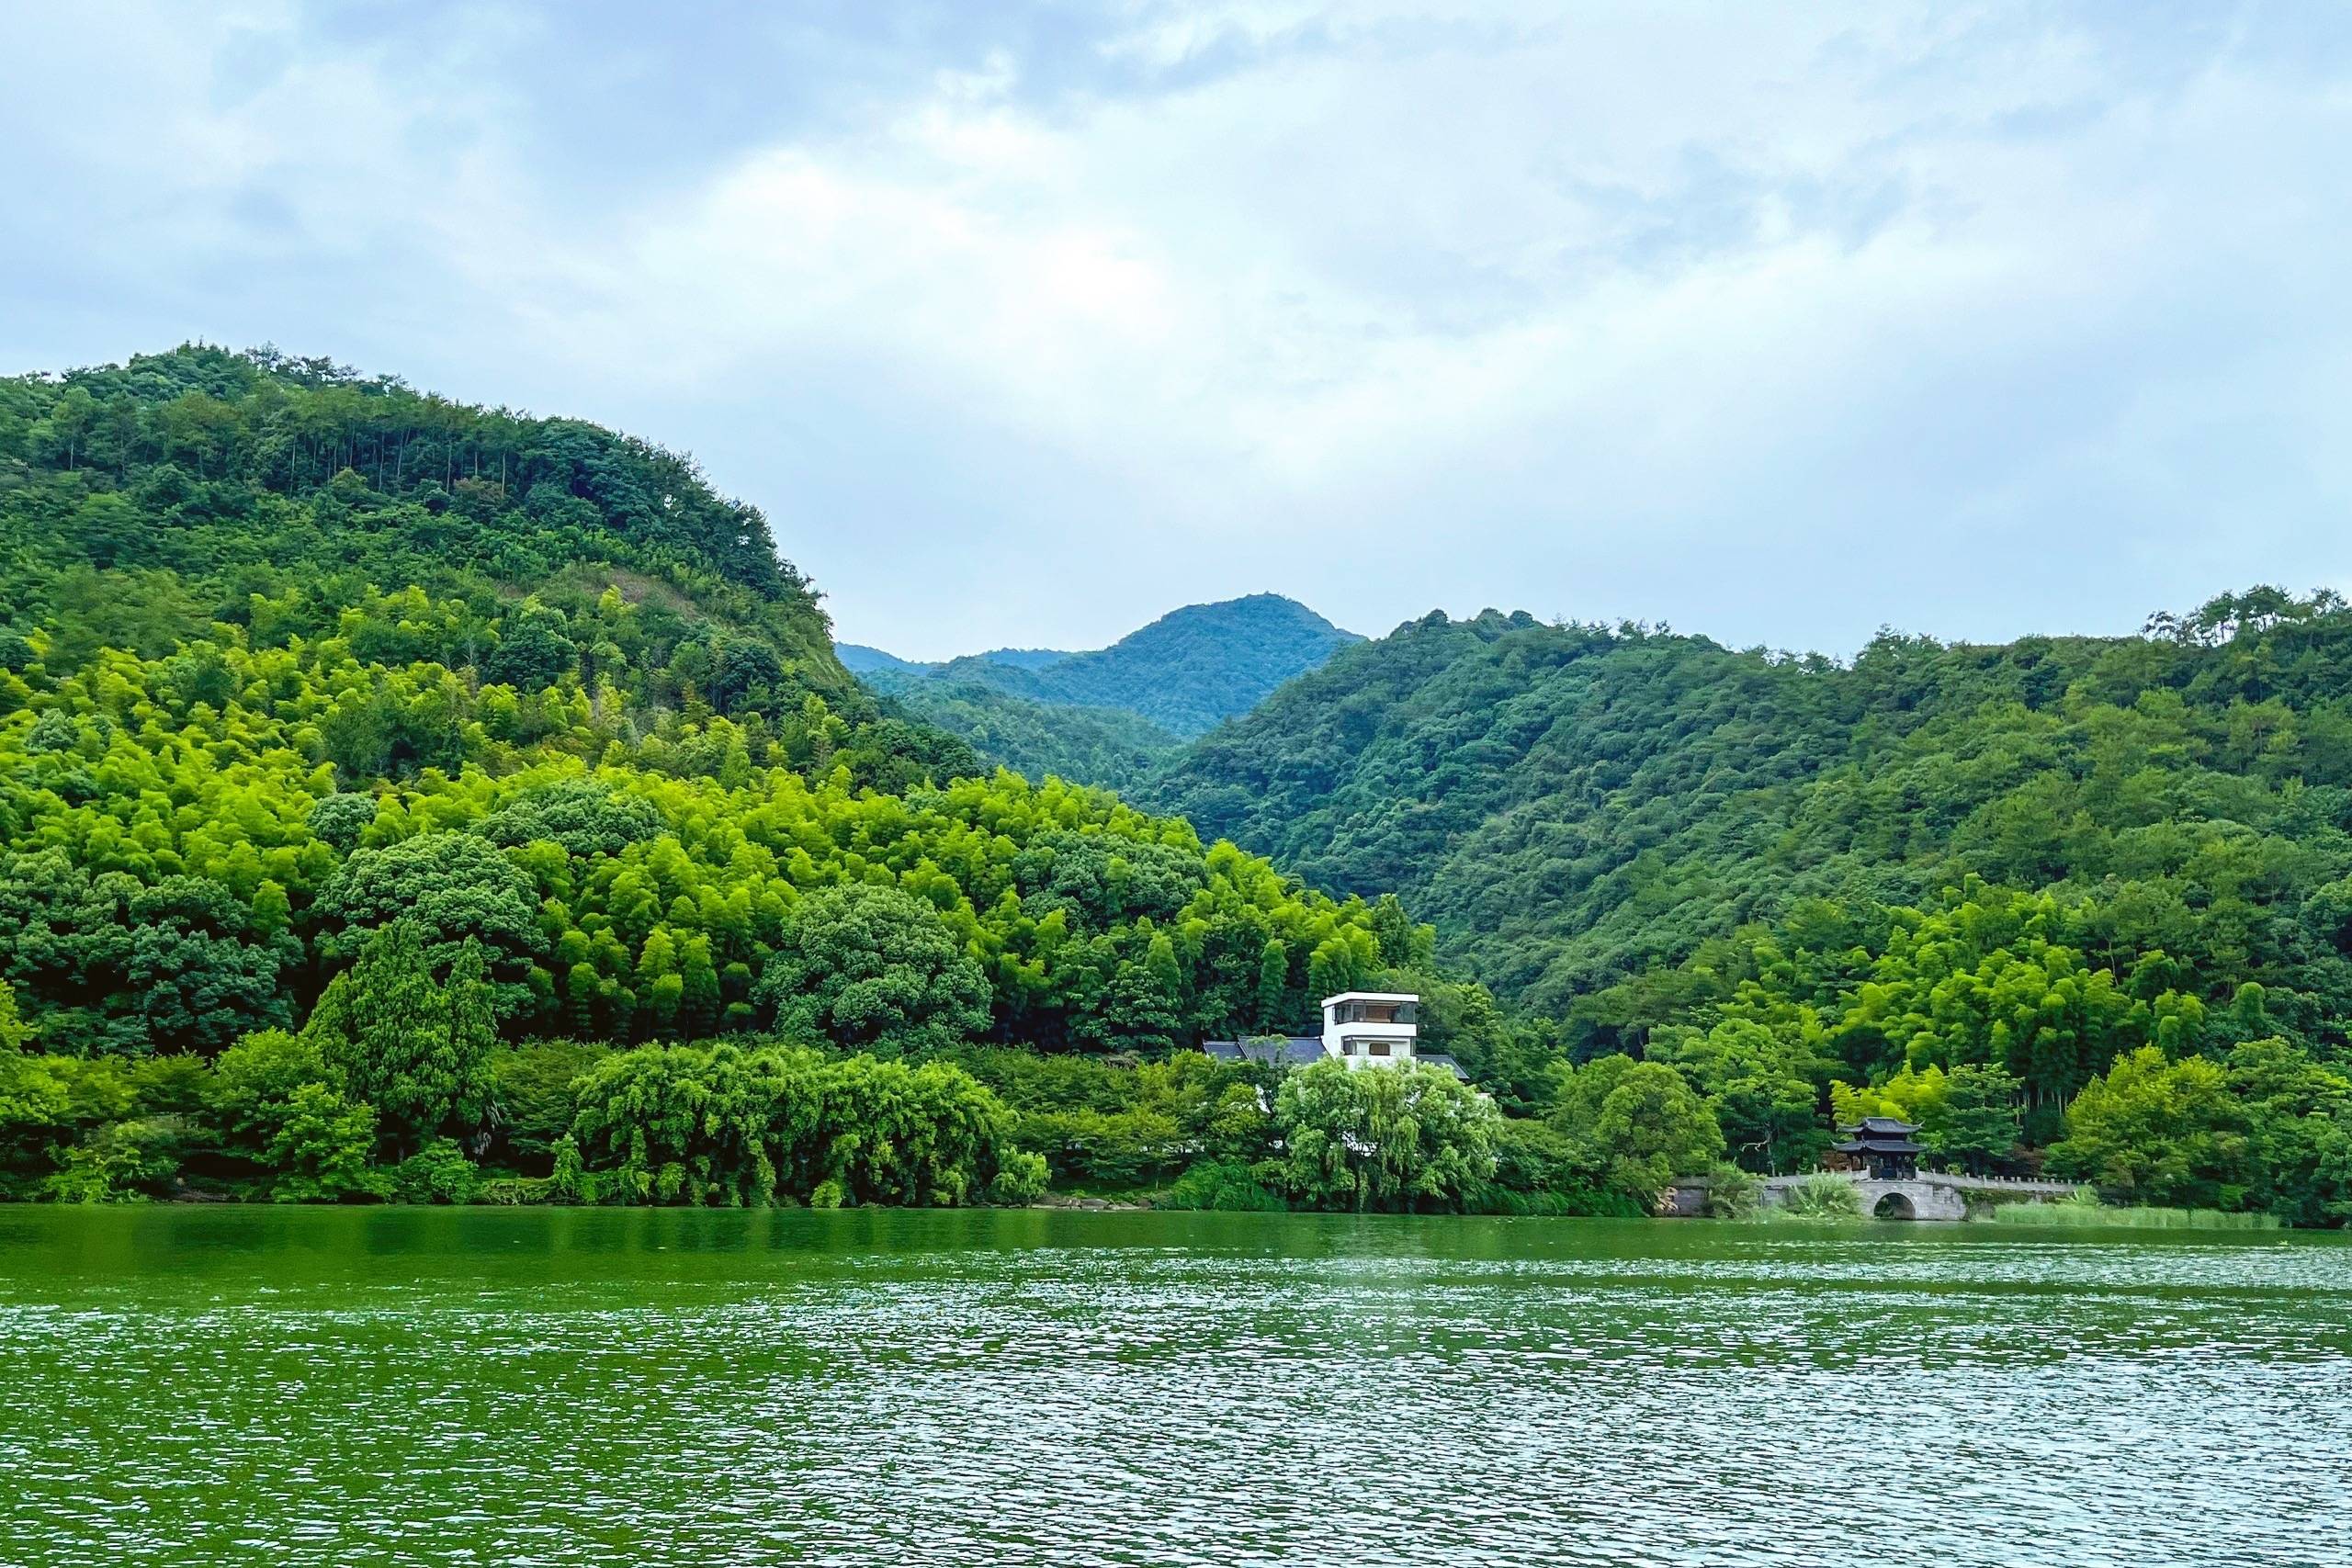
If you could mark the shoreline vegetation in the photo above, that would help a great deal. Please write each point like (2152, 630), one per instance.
(403, 801)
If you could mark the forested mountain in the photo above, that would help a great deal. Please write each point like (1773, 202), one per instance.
(386, 783)
(1108, 747)
(292, 651)
(1184, 673)
(859, 659)
(2031, 857)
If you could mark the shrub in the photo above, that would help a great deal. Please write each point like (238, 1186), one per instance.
(322, 1149)
(439, 1173)
(1019, 1178)
(121, 1162)
(1822, 1196)
(1224, 1185)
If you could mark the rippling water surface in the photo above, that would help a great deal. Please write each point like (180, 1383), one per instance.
(529, 1387)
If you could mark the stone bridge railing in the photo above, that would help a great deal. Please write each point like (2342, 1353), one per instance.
(1931, 1195)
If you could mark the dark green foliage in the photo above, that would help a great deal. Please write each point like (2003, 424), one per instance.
(415, 1050)
(1108, 747)
(451, 888)
(532, 1085)
(870, 967)
(1224, 1185)
(1637, 1124)
(1574, 806)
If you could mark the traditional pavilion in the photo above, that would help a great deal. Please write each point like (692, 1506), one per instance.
(1880, 1147)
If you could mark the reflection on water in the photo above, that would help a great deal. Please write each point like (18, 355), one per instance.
(641, 1387)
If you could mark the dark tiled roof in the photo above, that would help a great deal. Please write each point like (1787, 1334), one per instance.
(1304, 1050)
(1297, 1050)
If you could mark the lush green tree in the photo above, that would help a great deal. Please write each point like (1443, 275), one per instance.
(437, 1173)
(891, 1132)
(2298, 1115)
(416, 1051)
(121, 1161)
(2160, 1132)
(252, 1084)
(46, 1102)
(1976, 1125)
(873, 968)
(1383, 1138)
(322, 1148)
(451, 887)
(1641, 1123)
(692, 1124)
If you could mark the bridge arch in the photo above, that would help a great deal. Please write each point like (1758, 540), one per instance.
(1896, 1206)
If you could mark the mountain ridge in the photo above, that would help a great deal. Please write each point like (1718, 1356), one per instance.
(1178, 676)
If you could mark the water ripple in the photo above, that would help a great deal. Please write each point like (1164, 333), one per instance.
(712, 1390)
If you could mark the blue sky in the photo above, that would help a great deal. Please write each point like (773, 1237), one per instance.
(1026, 323)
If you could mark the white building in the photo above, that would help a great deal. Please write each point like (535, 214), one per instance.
(1362, 1029)
(1372, 1029)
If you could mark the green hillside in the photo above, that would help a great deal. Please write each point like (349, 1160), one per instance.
(2029, 858)
(400, 799)
(481, 749)
(1107, 747)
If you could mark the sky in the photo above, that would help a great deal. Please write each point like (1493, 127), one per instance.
(1026, 323)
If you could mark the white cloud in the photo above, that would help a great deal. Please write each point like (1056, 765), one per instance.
(1747, 317)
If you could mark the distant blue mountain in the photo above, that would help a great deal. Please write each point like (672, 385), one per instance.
(1108, 717)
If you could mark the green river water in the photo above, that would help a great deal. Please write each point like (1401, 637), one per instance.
(650, 1388)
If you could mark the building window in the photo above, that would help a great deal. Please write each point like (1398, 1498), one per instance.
(1378, 1047)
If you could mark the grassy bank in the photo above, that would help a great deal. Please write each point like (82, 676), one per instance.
(2072, 1216)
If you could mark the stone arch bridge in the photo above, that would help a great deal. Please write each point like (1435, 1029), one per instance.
(1931, 1195)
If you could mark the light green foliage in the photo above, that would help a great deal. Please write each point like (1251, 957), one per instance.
(571, 1182)
(47, 1101)
(253, 1083)
(437, 1173)
(1408, 1138)
(1021, 1179)
(723, 1124)
(873, 968)
(2299, 1113)
(323, 1149)
(2153, 1131)
(1105, 1123)
(15, 1033)
(122, 1161)
(1822, 1197)
(895, 1133)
